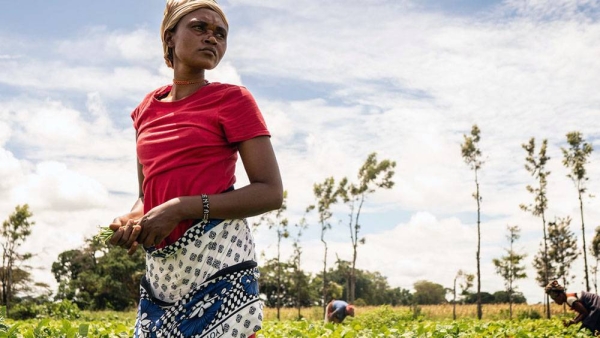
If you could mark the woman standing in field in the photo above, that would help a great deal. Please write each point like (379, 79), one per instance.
(201, 274)
(587, 306)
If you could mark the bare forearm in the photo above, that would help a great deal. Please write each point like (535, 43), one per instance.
(251, 200)
(138, 207)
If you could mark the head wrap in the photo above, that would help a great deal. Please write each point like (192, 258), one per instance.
(177, 9)
(554, 287)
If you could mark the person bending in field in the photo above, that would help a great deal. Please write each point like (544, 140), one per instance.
(585, 304)
(337, 311)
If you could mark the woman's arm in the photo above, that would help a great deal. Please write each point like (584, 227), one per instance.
(125, 228)
(582, 313)
(264, 193)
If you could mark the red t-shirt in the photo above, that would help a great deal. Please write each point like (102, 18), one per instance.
(189, 147)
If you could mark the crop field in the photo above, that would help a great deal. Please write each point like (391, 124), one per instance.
(426, 321)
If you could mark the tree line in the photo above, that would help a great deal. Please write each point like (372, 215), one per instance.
(95, 276)
(558, 247)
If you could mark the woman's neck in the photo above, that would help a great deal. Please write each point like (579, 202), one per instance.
(185, 83)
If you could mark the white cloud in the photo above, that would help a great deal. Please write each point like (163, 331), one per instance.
(53, 187)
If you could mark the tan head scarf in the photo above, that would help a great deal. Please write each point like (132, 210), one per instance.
(554, 287)
(177, 9)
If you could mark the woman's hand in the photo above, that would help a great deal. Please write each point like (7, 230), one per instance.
(126, 231)
(158, 223)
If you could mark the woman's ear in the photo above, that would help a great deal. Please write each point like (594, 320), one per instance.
(169, 38)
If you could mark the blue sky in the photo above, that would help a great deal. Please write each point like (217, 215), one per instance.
(336, 81)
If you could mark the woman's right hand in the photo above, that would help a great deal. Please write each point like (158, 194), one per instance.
(126, 231)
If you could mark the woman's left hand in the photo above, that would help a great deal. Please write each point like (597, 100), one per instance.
(158, 223)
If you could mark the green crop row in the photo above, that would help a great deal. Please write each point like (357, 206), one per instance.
(382, 322)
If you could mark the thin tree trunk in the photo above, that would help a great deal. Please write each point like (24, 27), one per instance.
(546, 265)
(324, 278)
(278, 275)
(454, 301)
(479, 310)
(587, 280)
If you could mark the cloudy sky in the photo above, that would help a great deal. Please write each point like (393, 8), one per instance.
(336, 80)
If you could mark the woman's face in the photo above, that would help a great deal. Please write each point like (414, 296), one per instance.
(199, 40)
(558, 297)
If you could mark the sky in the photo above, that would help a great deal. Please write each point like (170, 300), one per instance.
(335, 81)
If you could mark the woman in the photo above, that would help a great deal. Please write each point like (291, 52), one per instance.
(201, 277)
(337, 311)
(585, 304)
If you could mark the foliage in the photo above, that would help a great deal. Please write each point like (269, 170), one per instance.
(536, 166)
(502, 297)
(99, 277)
(326, 197)
(563, 248)
(275, 220)
(386, 322)
(465, 282)
(13, 234)
(575, 158)
(371, 175)
(429, 293)
(371, 287)
(300, 281)
(62, 310)
(595, 251)
(509, 267)
(379, 322)
(286, 295)
(472, 156)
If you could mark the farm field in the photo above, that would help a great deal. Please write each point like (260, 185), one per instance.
(426, 321)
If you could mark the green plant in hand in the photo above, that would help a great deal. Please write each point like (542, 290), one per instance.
(104, 234)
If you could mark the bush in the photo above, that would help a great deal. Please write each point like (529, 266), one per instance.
(22, 311)
(58, 310)
(360, 302)
(529, 314)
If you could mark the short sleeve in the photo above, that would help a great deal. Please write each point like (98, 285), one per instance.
(134, 116)
(239, 116)
(571, 300)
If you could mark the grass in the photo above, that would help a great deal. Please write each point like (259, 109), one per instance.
(431, 312)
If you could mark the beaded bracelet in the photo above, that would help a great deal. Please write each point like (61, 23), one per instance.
(205, 207)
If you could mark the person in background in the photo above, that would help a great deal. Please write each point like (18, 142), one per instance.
(585, 304)
(337, 311)
(201, 276)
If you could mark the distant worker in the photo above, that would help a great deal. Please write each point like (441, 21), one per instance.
(337, 310)
(586, 304)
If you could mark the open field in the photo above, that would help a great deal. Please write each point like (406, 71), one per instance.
(396, 322)
(430, 312)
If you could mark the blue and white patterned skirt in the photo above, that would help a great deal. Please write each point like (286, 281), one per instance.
(203, 285)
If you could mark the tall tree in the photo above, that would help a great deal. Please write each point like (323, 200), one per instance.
(15, 231)
(300, 280)
(595, 251)
(473, 158)
(428, 293)
(275, 220)
(563, 248)
(465, 282)
(326, 196)
(575, 158)
(96, 277)
(535, 164)
(543, 266)
(372, 175)
(509, 267)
